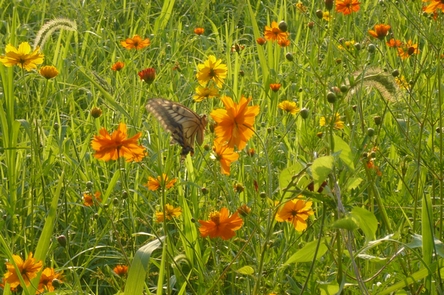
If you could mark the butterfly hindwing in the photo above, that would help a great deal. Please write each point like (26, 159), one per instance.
(184, 125)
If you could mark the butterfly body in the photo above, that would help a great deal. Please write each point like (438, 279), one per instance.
(185, 125)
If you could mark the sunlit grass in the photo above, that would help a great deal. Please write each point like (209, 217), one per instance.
(364, 149)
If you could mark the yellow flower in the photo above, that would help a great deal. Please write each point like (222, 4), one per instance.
(289, 106)
(348, 45)
(220, 225)
(225, 155)
(28, 270)
(205, 92)
(402, 82)
(89, 199)
(154, 184)
(337, 124)
(46, 279)
(301, 7)
(135, 43)
(22, 57)
(326, 16)
(111, 147)
(273, 33)
(297, 212)
(212, 69)
(170, 213)
(48, 72)
(235, 122)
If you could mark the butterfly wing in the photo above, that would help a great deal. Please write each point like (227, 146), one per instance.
(184, 125)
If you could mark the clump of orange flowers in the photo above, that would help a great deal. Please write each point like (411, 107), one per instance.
(135, 43)
(296, 212)
(347, 6)
(154, 184)
(111, 147)
(220, 224)
(117, 66)
(89, 199)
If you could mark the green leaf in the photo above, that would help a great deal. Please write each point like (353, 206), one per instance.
(139, 266)
(245, 270)
(366, 221)
(286, 175)
(347, 223)
(307, 253)
(320, 170)
(344, 151)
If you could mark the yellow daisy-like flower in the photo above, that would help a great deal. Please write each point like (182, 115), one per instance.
(289, 106)
(47, 278)
(348, 45)
(154, 184)
(212, 69)
(170, 213)
(203, 93)
(48, 72)
(337, 124)
(22, 57)
(28, 270)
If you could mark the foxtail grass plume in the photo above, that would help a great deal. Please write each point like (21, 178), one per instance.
(52, 26)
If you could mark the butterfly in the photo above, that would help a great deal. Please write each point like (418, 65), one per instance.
(184, 125)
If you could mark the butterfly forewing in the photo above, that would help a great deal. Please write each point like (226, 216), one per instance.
(184, 125)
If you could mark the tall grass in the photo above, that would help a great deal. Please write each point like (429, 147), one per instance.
(378, 224)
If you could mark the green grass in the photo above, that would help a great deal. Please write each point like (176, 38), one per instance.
(370, 234)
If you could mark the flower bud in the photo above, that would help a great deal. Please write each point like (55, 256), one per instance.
(331, 97)
(343, 88)
(204, 190)
(304, 113)
(377, 120)
(319, 14)
(395, 73)
(289, 56)
(96, 112)
(370, 132)
(62, 240)
(357, 46)
(371, 48)
(328, 4)
(310, 25)
(283, 26)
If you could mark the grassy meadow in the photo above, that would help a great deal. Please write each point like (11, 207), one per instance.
(334, 183)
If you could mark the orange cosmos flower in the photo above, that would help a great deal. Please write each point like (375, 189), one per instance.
(273, 33)
(408, 49)
(154, 184)
(225, 155)
(170, 213)
(117, 66)
(394, 43)
(111, 147)
(347, 6)
(284, 42)
(28, 270)
(235, 122)
(88, 199)
(275, 86)
(220, 225)
(148, 75)
(46, 280)
(120, 270)
(297, 212)
(434, 6)
(380, 31)
(261, 41)
(199, 31)
(212, 69)
(135, 43)
(22, 56)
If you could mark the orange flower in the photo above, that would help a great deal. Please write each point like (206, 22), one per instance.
(154, 184)
(434, 6)
(394, 43)
(135, 43)
(120, 270)
(48, 72)
(273, 33)
(117, 66)
(408, 49)
(28, 270)
(148, 75)
(295, 211)
(46, 280)
(111, 147)
(275, 86)
(170, 213)
(347, 6)
(220, 225)
(380, 31)
(199, 31)
(225, 155)
(260, 41)
(235, 122)
(284, 42)
(88, 199)
(244, 210)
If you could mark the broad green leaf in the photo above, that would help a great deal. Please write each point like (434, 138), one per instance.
(286, 175)
(330, 289)
(353, 183)
(320, 170)
(307, 253)
(245, 270)
(366, 221)
(344, 151)
(347, 223)
(139, 266)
